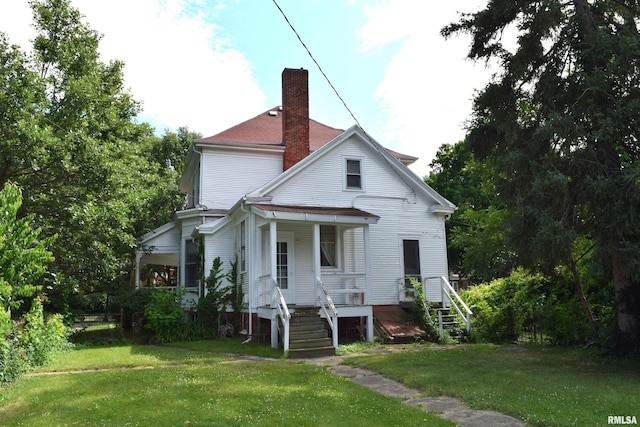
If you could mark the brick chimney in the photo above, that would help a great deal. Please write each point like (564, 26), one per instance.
(295, 115)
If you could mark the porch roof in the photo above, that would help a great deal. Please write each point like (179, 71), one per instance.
(315, 214)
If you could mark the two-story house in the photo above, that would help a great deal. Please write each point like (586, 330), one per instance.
(317, 217)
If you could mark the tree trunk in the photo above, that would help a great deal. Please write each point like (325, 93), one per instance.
(626, 304)
(583, 299)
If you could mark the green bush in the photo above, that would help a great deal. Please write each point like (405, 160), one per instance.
(32, 342)
(131, 301)
(164, 314)
(501, 307)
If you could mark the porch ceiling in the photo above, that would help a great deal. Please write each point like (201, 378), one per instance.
(315, 214)
(159, 259)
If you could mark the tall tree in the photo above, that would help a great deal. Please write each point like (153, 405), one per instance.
(561, 120)
(475, 233)
(90, 173)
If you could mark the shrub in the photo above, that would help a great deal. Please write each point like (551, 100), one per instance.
(31, 342)
(131, 302)
(165, 315)
(501, 307)
(216, 298)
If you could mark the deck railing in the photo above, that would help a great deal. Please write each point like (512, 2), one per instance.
(329, 309)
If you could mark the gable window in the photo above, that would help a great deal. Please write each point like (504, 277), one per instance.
(354, 174)
(328, 246)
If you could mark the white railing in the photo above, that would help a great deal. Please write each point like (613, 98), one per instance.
(329, 309)
(461, 308)
(346, 288)
(278, 302)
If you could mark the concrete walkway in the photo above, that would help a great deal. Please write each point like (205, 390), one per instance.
(446, 407)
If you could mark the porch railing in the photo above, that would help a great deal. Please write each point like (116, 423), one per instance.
(329, 309)
(278, 302)
(346, 288)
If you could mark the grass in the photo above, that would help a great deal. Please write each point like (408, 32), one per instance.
(542, 386)
(202, 383)
(194, 383)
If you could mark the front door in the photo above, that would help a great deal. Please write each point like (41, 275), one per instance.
(284, 265)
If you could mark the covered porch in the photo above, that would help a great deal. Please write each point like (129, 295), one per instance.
(313, 257)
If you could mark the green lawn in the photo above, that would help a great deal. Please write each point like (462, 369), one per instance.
(542, 386)
(202, 385)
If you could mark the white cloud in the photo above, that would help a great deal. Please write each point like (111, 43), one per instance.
(176, 61)
(428, 85)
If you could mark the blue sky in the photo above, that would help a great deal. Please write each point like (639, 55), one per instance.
(210, 64)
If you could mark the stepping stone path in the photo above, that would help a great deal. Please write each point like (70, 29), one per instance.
(445, 407)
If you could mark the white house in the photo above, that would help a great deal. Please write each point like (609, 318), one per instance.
(318, 217)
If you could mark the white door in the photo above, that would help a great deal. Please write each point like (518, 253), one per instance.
(284, 265)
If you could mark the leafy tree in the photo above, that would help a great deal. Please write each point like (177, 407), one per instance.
(475, 234)
(23, 254)
(89, 172)
(560, 121)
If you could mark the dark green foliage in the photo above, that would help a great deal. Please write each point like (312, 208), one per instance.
(501, 308)
(216, 296)
(236, 294)
(421, 310)
(476, 238)
(560, 124)
(90, 173)
(131, 302)
(165, 315)
(534, 307)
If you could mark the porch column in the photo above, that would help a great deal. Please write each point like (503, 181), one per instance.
(181, 270)
(137, 273)
(317, 270)
(273, 237)
(273, 240)
(367, 278)
(367, 264)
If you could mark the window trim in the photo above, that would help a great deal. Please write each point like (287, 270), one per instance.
(346, 173)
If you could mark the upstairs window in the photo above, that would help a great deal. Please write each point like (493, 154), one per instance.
(354, 174)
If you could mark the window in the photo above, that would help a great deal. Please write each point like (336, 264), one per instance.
(354, 174)
(411, 249)
(191, 264)
(328, 246)
(243, 248)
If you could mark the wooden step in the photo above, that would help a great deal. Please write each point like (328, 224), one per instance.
(308, 335)
(308, 353)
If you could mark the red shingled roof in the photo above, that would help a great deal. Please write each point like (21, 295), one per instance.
(266, 129)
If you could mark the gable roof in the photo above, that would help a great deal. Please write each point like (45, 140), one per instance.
(266, 129)
(441, 205)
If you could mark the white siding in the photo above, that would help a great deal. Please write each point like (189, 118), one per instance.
(401, 212)
(227, 176)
